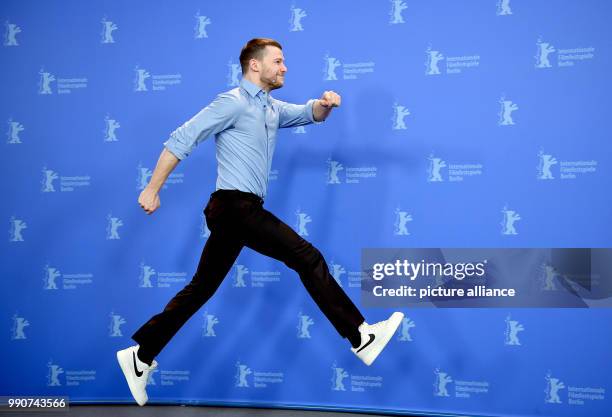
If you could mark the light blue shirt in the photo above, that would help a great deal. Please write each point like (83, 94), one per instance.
(245, 121)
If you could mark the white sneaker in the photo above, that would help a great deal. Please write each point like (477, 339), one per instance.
(374, 337)
(136, 373)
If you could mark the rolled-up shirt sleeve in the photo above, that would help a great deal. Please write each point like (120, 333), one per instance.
(212, 119)
(291, 115)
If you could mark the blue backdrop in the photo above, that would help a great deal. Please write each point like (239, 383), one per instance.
(463, 124)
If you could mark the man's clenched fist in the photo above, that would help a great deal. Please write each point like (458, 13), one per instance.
(149, 200)
(330, 99)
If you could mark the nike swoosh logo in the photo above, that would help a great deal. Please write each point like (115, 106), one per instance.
(367, 344)
(138, 373)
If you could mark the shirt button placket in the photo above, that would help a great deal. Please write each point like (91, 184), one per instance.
(264, 99)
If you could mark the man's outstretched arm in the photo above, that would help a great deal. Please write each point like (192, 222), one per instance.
(149, 197)
(217, 116)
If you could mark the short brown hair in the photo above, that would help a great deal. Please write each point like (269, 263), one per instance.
(255, 49)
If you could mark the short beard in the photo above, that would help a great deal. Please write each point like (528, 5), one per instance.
(271, 84)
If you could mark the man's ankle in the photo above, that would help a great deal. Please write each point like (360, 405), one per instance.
(354, 338)
(142, 355)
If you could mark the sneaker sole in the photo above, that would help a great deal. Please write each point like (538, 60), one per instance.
(124, 363)
(394, 321)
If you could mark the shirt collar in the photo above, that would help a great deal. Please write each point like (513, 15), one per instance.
(250, 87)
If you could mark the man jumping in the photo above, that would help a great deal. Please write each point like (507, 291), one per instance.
(245, 122)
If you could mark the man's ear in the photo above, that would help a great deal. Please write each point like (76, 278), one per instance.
(254, 65)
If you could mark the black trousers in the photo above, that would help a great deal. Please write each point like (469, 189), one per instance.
(237, 219)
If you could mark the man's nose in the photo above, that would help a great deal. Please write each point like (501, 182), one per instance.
(284, 68)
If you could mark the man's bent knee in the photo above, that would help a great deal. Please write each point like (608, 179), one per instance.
(306, 258)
